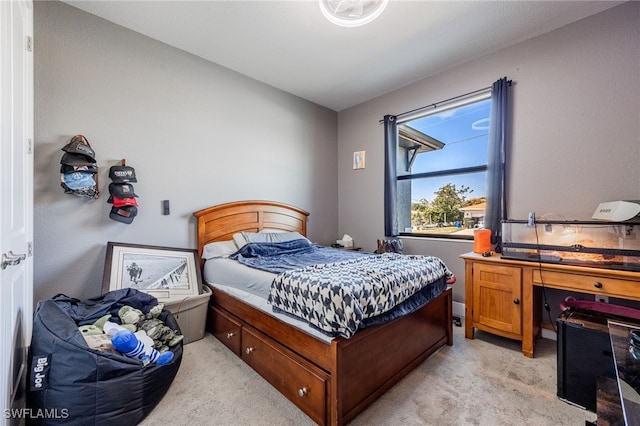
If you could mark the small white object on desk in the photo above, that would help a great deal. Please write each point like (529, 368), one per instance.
(617, 211)
(346, 241)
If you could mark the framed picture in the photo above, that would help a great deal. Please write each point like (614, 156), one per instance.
(358, 160)
(168, 274)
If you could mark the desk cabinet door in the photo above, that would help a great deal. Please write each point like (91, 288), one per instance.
(497, 298)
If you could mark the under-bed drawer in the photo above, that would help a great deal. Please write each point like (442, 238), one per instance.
(226, 329)
(298, 380)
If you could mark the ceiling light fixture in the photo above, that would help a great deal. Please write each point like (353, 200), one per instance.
(352, 13)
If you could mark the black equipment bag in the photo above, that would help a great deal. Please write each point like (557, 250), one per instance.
(73, 384)
(390, 246)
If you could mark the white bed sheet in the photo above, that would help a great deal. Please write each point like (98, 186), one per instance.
(232, 273)
(251, 286)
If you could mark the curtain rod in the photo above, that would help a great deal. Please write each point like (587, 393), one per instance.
(446, 101)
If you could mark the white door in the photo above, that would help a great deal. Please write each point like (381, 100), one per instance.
(16, 203)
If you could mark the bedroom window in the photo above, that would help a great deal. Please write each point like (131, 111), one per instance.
(441, 167)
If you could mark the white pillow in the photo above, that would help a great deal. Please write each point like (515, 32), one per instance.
(219, 249)
(271, 237)
(239, 239)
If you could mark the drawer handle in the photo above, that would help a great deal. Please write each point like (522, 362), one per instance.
(597, 284)
(249, 350)
(516, 301)
(230, 334)
(303, 391)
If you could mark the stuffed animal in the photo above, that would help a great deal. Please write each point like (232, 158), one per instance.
(163, 336)
(89, 330)
(155, 311)
(133, 346)
(130, 315)
(100, 322)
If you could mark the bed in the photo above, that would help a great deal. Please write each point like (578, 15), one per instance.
(331, 379)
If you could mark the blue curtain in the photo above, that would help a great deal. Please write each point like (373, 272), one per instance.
(496, 209)
(390, 176)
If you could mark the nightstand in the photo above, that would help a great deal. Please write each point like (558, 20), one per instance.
(347, 248)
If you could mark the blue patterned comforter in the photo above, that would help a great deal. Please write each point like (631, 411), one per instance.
(339, 292)
(284, 256)
(342, 297)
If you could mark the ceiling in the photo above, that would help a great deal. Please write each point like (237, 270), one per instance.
(291, 46)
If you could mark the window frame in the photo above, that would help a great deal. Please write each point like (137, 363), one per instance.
(458, 102)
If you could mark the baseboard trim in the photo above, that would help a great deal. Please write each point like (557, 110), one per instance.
(548, 332)
(547, 329)
(458, 309)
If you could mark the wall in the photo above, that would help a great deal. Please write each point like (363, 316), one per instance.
(575, 137)
(196, 133)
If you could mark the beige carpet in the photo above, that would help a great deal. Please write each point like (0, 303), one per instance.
(485, 381)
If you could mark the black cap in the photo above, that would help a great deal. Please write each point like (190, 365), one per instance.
(122, 174)
(122, 190)
(72, 159)
(124, 214)
(65, 168)
(80, 145)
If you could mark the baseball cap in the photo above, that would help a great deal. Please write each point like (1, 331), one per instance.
(88, 192)
(78, 180)
(121, 174)
(122, 190)
(72, 159)
(80, 145)
(119, 202)
(65, 168)
(124, 214)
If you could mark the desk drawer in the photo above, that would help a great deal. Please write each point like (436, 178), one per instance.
(585, 283)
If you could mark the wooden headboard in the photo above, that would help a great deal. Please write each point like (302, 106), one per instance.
(219, 223)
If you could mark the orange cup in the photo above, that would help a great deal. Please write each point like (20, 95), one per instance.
(481, 240)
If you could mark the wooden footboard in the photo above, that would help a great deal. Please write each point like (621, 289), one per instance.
(374, 360)
(332, 383)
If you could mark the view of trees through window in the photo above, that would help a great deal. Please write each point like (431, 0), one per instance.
(446, 213)
(442, 170)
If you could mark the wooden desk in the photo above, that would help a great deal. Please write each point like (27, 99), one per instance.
(503, 297)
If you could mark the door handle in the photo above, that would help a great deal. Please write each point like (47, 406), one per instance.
(10, 259)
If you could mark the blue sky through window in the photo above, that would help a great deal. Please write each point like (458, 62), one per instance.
(465, 133)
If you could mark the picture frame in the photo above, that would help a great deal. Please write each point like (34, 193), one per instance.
(169, 274)
(359, 160)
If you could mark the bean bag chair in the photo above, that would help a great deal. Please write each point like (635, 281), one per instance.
(73, 384)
